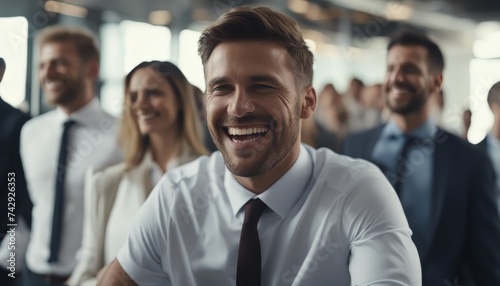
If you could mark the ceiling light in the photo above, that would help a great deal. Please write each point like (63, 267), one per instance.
(66, 9)
(298, 6)
(160, 17)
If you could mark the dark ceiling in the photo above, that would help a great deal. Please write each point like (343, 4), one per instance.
(446, 16)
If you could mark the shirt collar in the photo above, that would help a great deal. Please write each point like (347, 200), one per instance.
(279, 197)
(426, 130)
(86, 115)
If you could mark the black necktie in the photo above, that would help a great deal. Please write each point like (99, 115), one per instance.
(248, 269)
(55, 240)
(402, 170)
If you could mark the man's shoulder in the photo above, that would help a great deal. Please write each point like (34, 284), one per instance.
(201, 170)
(12, 113)
(12, 120)
(106, 115)
(340, 172)
(458, 146)
(41, 121)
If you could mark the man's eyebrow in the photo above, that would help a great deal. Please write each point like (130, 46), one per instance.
(265, 78)
(217, 80)
(255, 78)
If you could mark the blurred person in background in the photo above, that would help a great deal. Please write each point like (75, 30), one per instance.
(15, 200)
(372, 98)
(491, 143)
(330, 118)
(160, 130)
(313, 134)
(446, 186)
(59, 146)
(200, 104)
(467, 121)
(359, 117)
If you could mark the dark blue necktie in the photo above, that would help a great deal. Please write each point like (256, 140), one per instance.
(55, 240)
(249, 258)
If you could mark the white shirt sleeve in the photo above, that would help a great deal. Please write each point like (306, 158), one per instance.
(382, 251)
(141, 255)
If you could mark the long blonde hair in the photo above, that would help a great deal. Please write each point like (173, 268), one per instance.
(134, 143)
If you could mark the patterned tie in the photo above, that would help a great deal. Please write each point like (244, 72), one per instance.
(249, 258)
(55, 240)
(402, 165)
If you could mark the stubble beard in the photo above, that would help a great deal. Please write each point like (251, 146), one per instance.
(72, 89)
(268, 153)
(415, 103)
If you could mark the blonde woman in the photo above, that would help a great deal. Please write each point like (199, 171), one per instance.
(160, 130)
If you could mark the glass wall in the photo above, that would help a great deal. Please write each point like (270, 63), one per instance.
(14, 50)
(123, 46)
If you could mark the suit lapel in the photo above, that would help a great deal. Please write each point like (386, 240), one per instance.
(371, 140)
(441, 165)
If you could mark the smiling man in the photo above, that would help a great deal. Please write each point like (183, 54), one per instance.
(57, 148)
(446, 186)
(266, 210)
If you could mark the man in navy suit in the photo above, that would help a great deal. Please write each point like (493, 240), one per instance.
(491, 143)
(446, 186)
(14, 195)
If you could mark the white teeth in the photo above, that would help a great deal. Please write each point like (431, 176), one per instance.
(146, 116)
(53, 84)
(246, 140)
(246, 131)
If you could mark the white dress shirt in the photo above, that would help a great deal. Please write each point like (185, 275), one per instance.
(331, 220)
(92, 143)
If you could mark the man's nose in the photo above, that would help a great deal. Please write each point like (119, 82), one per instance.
(241, 103)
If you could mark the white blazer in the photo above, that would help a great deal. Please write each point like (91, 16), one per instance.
(101, 190)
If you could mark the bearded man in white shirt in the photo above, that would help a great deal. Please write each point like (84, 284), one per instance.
(266, 210)
(59, 146)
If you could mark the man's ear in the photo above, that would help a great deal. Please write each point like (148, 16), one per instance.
(308, 103)
(437, 82)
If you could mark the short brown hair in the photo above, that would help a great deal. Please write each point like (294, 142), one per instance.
(134, 144)
(84, 40)
(408, 38)
(260, 23)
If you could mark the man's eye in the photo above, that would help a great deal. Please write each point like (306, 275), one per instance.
(220, 87)
(262, 86)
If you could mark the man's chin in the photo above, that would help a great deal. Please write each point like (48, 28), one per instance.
(247, 166)
(53, 98)
(244, 170)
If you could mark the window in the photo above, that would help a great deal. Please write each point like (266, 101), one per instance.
(123, 46)
(14, 50)
(189, 60)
